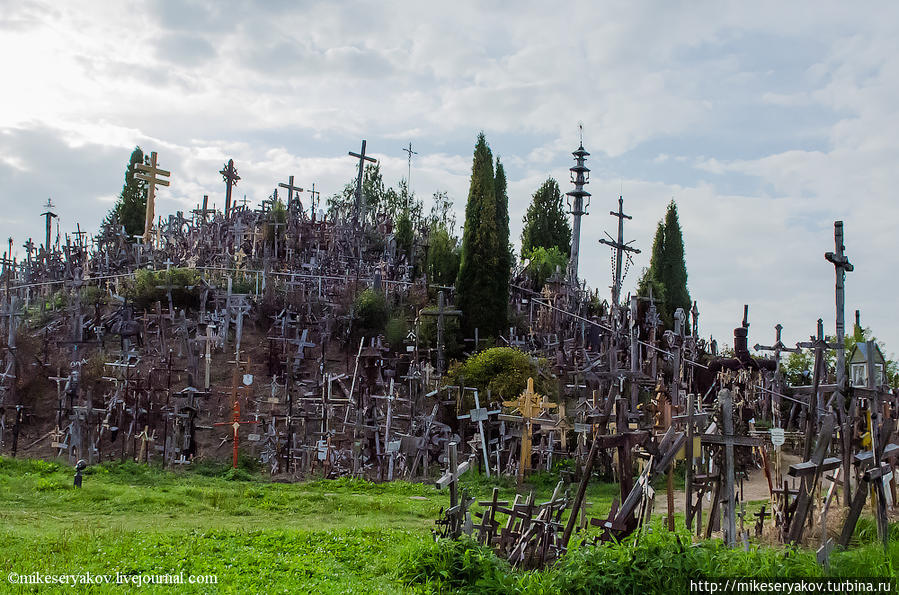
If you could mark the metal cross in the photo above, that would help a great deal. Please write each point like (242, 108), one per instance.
(410, 153)
(620, 248)
(314, 200)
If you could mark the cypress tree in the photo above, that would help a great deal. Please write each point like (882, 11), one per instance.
(130, 209)
(476, 286)
(673, 273)
(667, 272)
(545, 223)
(504, 265)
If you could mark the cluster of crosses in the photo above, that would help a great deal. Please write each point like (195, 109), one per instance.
(245, 343)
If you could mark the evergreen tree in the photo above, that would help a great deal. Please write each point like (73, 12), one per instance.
(667, 272)
(476, 284)
(673, 272)
(545, 223)
(130, 209)
(504, 264)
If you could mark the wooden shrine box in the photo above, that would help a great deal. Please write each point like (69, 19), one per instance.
(858, 365)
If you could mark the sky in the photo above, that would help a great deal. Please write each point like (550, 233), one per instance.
(764, 121)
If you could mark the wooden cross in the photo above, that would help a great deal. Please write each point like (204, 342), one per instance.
(777, 348)
(480, 415)
(441, 315)
(235, 424)
(529, 405)
(290, 190)
(729, 440)
(362, 159)
(229, 173)
(152, 175)
(313, 200)
(810, 471)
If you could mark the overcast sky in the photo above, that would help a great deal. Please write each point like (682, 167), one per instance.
(765, 121)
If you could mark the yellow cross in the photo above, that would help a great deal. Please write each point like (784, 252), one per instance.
(149, 175)
(529, 405)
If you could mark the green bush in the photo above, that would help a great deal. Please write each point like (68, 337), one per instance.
(544, 263)
(370, 312)
(502, 370)
(144, 290)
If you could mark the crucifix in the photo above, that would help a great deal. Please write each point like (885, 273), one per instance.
(152, 175)
(48, 215)
(841, 266)
(441, 315)
(362, 159)
(229, 173)
(290, 190)
(529, 406)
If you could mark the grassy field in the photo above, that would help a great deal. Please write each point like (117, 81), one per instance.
(255, 536)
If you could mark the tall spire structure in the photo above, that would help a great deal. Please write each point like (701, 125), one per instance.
(578, 200)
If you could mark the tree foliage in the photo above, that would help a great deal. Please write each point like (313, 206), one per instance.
(370, 312)
(444, 254)
(130, 210)
(666, 275)
(544, 263)
(545, 223)
(482, 285)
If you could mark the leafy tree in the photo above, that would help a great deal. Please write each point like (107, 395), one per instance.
(545, 223)
(130, 209)
(667, 272)
(442, 212)
(405, 236)
(444, 254)
(544, 263)
(477, 285)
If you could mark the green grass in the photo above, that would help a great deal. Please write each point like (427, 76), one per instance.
(335, 536)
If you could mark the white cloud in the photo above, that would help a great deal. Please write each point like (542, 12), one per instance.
(764, 121)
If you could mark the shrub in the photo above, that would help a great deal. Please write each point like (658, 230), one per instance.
(144, 290)
(396, 332)
(502, 370)
(370, 311)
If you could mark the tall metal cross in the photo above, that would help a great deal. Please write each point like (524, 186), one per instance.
(229, 173)
(152, 175)
(362, 159)
(290, 190)
(841, 266)
(48, 215)
(620, 248)
(410, 153)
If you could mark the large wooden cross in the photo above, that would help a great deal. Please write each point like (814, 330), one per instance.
(235, 424)
(290, 190)
(229, 173)
(362, 159)
(441, 315)
(152, 175)
(530, 406)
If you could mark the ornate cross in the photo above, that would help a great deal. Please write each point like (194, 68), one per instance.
(229, 173)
